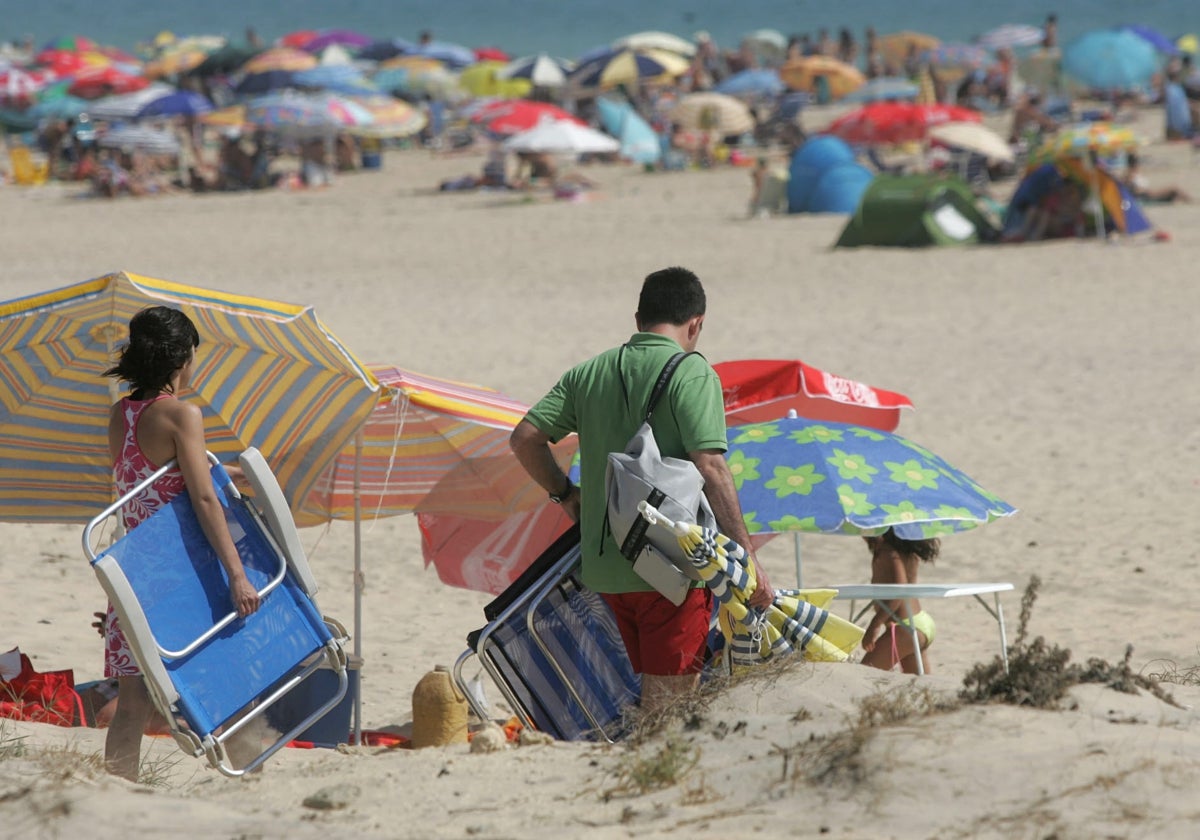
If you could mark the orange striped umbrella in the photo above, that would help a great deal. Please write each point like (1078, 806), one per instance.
(279, 58)
(267, 374)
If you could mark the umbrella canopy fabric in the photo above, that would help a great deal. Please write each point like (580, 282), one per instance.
(339, 37)
(628, 67)
(335, 78)
(716, 112)
(1012, 35)
(125, 106)
(896, 46)
(385, 49)
(179, 103)
(1161, 42)
(390, 117)
(267, 374)
(510, 117)
(654, 40)
(639, 142)
(482, 79)
(974, 137)
(431, 445)
(300, 115)
(454, 56)
(755, 390)
(751, 83)
(561, 136)
(768, 44)
(836, 478)
(896, 122)
(803, 73)
(94, 82)
(791, 624)
(1083, 139)
(175, 61)
(1110, 59)
(958, 56)
(280, 58)
(884, 89)
(154, 141)
(255, 84)
(540, 70)
(225, 59)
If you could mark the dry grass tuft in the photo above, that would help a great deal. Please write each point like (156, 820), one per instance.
(1167, 671)
(1039, 674)
(643, 772)
(11, 745)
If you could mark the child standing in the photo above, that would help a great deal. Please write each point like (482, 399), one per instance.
(895, 560)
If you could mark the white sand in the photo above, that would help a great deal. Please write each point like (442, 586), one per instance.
(1060, 376)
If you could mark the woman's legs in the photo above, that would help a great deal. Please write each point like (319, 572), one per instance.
(882, 655)
(123, 743)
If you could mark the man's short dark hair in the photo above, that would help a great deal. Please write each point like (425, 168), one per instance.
(670, 296)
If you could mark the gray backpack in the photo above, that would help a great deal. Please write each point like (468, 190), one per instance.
(673, 485)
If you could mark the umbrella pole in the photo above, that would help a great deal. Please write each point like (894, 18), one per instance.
(358, 586)
(799, 581)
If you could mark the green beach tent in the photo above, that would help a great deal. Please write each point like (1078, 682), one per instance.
(917, 210)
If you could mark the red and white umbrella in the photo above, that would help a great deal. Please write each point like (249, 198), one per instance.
(18, 85)
(882, 123)
(512, 116)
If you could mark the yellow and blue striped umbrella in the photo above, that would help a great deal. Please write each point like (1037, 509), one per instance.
(267, 374)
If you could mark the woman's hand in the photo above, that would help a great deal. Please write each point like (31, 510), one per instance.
(244, 597)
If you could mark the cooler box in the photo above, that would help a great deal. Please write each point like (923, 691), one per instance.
(334, 727)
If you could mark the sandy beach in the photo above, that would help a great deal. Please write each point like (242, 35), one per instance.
(1059, 375)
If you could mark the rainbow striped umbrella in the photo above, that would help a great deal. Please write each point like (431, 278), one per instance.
(1080, 140)
(433, 446)
(267, 374)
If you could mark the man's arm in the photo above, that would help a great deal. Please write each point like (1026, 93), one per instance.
(532, 447)
(722, 497)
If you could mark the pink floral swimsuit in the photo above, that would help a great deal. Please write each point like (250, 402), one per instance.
(131, 467)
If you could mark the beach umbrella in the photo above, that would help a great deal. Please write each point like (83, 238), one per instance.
(61, 108)
(628, 67)
(1110, 59)
(66, 43)
(1085, 139)
(412, 63)
(795, 474)
(233, 116)
(1012, 35)
(563, 137)
(69, 62)
(654, 40)
(154, 141)
(390, 117)
(1154, 38)
(804, 73)
(481, 79)
(306, 115)
(297, 38)
(958, 56)
(336, 37)
(179, 103)
(795, 622)
(1189, 44)
(455, 56)
(751, 83)
(125, 106)
(225, 59)
(385, 49)
(896, 46)
(514, 116)
(711, 111)
(18, 84)
(768, 44)
(639, 142)
(252, 84)
(883, 123)
(268, 374)
(974, 137)
(491, 54)
(755, 390)
(335, 78)
(540, 70)
(884, 89)
(279, 58)
(94, 82)
(174, 61)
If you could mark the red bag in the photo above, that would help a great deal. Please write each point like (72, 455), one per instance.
(42, 698)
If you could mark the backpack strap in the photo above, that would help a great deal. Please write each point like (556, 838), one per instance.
(663, 379)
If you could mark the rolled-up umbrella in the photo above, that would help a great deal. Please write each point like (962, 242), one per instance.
(795, 622)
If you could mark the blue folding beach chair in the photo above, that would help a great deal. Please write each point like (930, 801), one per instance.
(209, 672)
(553, 650)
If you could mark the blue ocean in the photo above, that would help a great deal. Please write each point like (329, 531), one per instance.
(568, 27)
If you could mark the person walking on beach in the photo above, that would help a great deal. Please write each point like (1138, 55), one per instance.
(888, 639)
(147, 429)
(602, 400)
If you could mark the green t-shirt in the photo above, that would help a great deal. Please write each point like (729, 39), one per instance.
(589, 400)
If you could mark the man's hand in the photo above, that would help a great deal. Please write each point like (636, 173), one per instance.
(764, 594)
(243, 596)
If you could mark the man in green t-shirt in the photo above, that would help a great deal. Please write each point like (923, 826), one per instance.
(603, 400)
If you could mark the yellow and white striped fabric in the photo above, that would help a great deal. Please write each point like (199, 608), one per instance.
(267, 374)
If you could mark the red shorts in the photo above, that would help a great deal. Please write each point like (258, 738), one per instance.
(663, 640)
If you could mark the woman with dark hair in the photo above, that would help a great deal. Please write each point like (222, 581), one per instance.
(147, 429)
(895, 560)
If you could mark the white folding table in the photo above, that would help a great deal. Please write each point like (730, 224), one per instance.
(874, 593)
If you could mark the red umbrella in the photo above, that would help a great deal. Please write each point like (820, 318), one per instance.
(92, 83)
(759, 390)
(298, 38)
(896, 122)
(491, 54)
(511, 116)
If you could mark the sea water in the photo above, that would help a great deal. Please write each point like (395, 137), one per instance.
(569, 27)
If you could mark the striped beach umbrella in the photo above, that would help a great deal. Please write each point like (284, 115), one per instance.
(541, 70)
(280, 58)
(1083, 139)
(267, 374)
(628, 66)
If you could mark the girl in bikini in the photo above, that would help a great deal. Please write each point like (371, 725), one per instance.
(895, 560)
(146, 429)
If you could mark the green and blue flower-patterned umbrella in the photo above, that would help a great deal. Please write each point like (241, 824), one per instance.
(832, 478)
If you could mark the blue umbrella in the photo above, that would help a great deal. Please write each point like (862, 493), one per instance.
(833, 478)
(884, 89)
(454, 55)
(65, 107)
(391, 79)
(639, 143)
(1110, 59)
(337, 78)
(383, 50)
(751, 83)
(1154, 38)
(180, 103)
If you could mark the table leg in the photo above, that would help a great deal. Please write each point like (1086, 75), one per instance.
(1003, 636)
